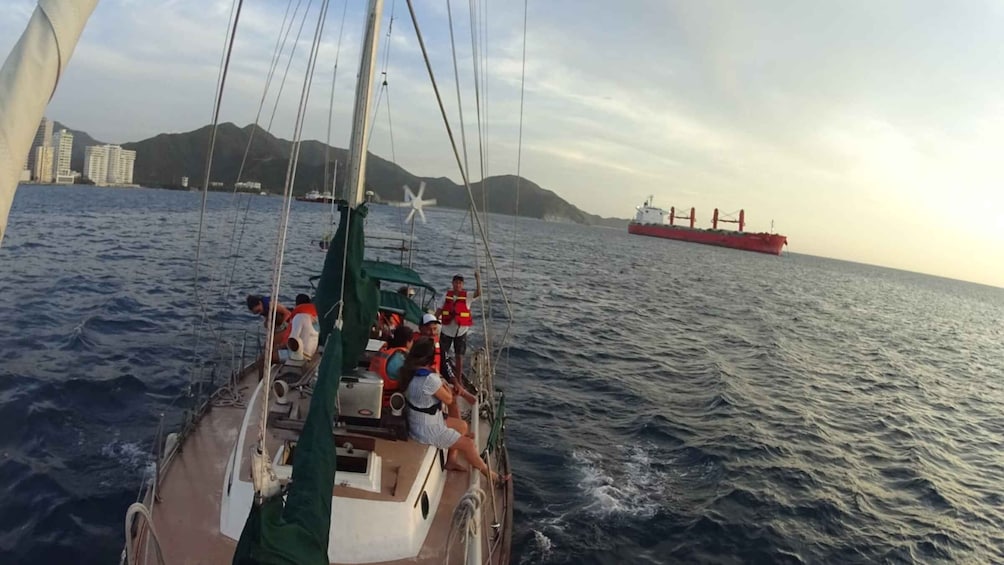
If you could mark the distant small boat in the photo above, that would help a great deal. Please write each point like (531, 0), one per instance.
(655, 222)
(315, 196)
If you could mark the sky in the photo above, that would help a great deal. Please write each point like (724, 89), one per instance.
(866, 131)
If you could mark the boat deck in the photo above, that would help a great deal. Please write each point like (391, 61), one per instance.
(187, 512)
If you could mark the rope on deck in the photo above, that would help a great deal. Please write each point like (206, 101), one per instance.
(463, 518)
(140, 508)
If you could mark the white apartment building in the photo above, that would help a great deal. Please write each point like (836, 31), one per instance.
(96, 164)
(109, 164)
(62, 149)
(42, 171)
(127, 162)
(43, 137)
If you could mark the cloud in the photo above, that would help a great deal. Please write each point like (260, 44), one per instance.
(880, 116)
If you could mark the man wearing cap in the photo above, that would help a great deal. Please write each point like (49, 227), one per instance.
(456, 318)
(430, 328)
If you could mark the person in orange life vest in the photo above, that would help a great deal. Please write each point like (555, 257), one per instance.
(304, 325)
(456, 317)
(390, 320)
(425, 394)
(388, 361)
(262, 306)
(430, 329)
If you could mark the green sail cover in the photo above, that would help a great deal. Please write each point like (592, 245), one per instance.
(297, 533)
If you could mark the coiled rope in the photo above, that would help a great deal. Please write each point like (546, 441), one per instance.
(463, 519)
(140, 508)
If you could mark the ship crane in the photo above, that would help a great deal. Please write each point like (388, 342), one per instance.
(673, 216)
(741, 221)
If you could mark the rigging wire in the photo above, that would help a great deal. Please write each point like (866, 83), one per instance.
(221, 84)
(463, 135)
(456, 155)
(281, 41)
(384, 92)
(477, 39)
(331, 103)
(280, 45)
(284, 222)
(481, 121)
(519, 178)
(240, 239)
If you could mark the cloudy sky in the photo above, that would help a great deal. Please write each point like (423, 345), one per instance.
(868, 131)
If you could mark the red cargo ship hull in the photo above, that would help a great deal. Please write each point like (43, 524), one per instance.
(759, 242)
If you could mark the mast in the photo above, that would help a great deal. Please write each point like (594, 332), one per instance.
(28, 80)
(355, 183)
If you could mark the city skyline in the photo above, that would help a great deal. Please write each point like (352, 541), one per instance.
(856, 129)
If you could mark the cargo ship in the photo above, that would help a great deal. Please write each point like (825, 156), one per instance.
(656, 222)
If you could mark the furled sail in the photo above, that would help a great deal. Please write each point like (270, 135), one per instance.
(27, 81)
(297, 532)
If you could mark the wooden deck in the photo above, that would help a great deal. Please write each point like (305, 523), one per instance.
(187, 512)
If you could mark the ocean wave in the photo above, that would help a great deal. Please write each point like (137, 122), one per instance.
(667, 402)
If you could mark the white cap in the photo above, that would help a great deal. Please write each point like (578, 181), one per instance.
(430, 319)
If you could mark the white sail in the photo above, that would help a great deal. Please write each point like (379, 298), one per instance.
(27, 81)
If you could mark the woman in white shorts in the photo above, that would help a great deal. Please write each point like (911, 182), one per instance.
(426, 395)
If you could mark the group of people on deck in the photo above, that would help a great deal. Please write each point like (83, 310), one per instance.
(410, 362)
(296, 332)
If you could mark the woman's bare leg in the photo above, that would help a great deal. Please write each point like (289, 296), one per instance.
(451, 455)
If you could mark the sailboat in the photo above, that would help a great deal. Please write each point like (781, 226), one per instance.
(308, 466)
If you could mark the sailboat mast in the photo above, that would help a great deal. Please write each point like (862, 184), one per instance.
(355, 183)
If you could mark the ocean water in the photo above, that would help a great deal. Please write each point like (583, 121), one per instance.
(668, 403)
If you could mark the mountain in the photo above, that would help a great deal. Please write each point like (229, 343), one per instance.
(162, 160)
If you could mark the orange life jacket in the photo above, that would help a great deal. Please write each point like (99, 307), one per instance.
(455, 308)
(304, 309)
(378, 365)
(391, 319)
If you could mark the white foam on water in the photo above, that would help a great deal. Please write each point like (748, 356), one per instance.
(620, 486)
(130, 455)
(542, 551)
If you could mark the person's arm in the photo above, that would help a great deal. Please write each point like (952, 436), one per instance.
(460, 391)
(282, 313)
(477, 280)
(444, 394)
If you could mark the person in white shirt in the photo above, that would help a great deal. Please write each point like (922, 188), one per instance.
(306, 327)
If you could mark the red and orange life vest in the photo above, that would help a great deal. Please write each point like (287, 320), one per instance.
(304, 309)
(378, 365)
(455, 308)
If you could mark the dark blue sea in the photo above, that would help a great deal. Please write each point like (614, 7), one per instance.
(668, 402)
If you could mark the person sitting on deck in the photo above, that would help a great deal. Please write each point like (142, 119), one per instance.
(305, 326)
(425, 394)
(430, 328)
(388, 361)
(262, 306)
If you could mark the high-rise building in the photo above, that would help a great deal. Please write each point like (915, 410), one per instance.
(43, 164)
(43, 136)
(96, 164)
(109, 164)
(127, 162)
(62, 150)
